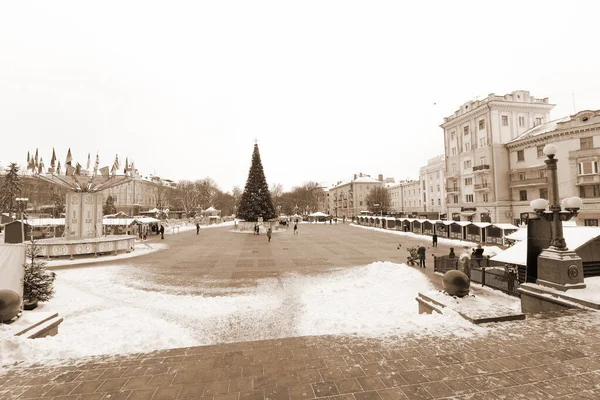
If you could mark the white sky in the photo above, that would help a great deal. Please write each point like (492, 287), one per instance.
(329, 88)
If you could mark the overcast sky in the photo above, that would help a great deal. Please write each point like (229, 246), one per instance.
(329, 88)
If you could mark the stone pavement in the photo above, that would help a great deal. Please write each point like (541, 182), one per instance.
(549, 356)
(541, 358)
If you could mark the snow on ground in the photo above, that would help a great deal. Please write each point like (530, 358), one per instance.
(104, 314)
(140, 250)
(458, 244)
(184, 226)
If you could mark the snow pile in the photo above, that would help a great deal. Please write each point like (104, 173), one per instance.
(104, 314)
(140, 250)
(183, 226)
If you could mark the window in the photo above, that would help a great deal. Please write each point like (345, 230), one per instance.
(454, 168)
(431, 201)
(454, 151)
(452, 135)
(361, 203)
(481, 124)
(467, 146)
(467, 164)
(588, 167)
(466, 130)
(586, 143)
(482, 142)
(482, 160)
(485, 198)
(468, 198)
(539, 121)
(439, 202)
(540, 151)
(523, 195)
(522, 176)
(468, 181)
(455, 198)
(430, 189)
(520, 155)
(542, 173)
(505, 120)
(590, 222)
(544, 193)
(438, 188)
(589, 191)
(521, 121)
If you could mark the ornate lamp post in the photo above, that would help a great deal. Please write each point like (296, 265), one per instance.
(558, 267)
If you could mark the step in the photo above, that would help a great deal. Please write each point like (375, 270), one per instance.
(41, 326)
(556, 296)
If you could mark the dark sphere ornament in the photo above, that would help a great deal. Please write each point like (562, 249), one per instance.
(10, 304)
(456, 283)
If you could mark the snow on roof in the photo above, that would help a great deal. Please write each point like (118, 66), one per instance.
(575, 237)
(462, 223)
(541, 129)
(481, 224)
(318, 214)
(366, 179)
(210, 209)
(43, 222)
(118, 221)
(505, 226)
(521, 233)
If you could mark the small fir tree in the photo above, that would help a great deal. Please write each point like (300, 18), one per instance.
(256, 200)
(38, 283)
(109, 207)
(11, 188)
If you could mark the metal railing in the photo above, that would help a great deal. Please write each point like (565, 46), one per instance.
(483, 167)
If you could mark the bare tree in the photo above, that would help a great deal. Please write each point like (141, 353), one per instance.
(378, 200)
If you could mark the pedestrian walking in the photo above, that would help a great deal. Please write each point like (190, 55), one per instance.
(434, 240)
(295, 228)
(269, 234)
(162, 231)
(478, 255)
(197, 228)
(421, 253)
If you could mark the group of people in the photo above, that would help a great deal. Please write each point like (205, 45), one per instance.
(158, 230)
(464, 259)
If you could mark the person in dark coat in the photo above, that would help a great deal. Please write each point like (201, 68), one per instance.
(269, 234)
(434, 240)
(421, 253)
(197, 228)
(478, 255)
(295, 228)
(452, 254)
(162, 231)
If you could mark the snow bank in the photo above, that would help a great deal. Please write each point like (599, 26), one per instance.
(105, 314)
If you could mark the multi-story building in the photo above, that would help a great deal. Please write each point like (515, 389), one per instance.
(412, 203)
(141, 194)
(432, 177)
(349, 198)
(577, 139)
(395, 190)
(476, 157)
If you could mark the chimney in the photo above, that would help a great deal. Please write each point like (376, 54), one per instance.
(354, 176)
(380, 178)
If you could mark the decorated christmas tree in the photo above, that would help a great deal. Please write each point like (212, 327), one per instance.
(256, 200)
(38, 283)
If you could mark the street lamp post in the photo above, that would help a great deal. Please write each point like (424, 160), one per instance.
(558, 267)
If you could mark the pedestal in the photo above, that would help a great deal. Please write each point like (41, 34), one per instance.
(560, 269)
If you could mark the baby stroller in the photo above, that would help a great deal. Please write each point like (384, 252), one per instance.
(413, 258)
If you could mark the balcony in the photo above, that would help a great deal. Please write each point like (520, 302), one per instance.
(482, 186)
(591, 179)
(452, 175)
(478, 169)
(584, 153)
(453, 189)
(541, 181)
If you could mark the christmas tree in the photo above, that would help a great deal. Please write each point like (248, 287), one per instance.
(38, 283)
(256, 200)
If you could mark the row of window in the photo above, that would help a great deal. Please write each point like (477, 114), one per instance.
(469, 198)
(585, 143)
(481, 124)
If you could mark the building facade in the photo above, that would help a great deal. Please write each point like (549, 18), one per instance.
(395, 191)
(433, 191)
(141, 194)
(412, 202)
(349, 198)
(477, 162)
(577, 139)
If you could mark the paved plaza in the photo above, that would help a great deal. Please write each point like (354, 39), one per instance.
(546, 356)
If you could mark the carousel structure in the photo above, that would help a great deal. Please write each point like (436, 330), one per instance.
(84, 206)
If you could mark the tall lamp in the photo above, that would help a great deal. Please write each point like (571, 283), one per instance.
(558, 267)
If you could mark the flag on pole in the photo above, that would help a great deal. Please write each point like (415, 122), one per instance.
(96, 164)
(88, 163)
(69, 157)
(58, 171)
(116, 164)
(53, 160)
(28, 157)
(104, 171)
(31, 163)
(132, 168)
(36, 158)
(126, 165)
(41, 166)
